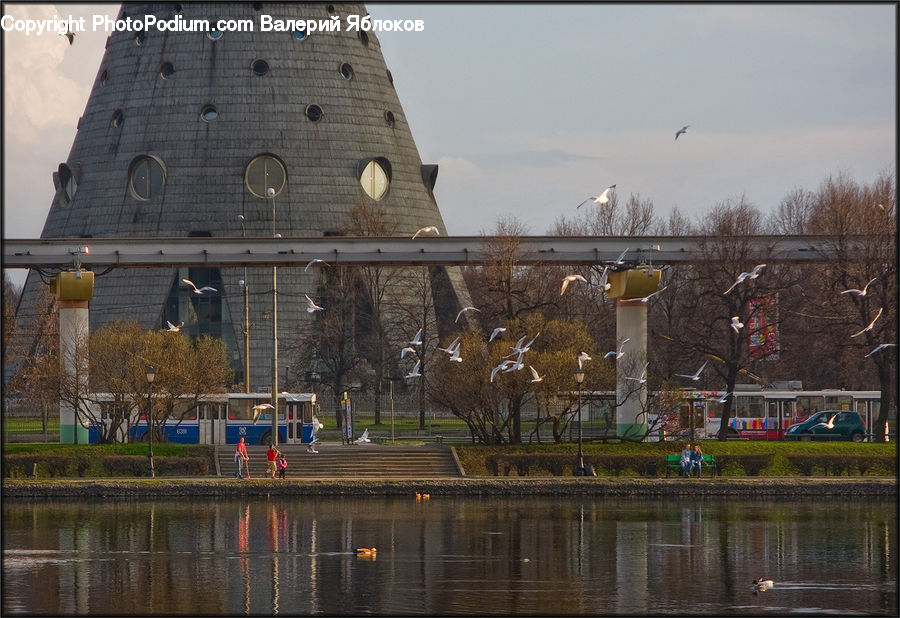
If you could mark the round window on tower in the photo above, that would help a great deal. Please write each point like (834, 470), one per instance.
(265, 172)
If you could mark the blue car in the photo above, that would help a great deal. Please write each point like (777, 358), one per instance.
(829, 425)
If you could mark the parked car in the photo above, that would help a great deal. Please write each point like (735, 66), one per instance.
(829, 425)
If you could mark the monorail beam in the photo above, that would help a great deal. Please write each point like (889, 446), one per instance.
(446, 251)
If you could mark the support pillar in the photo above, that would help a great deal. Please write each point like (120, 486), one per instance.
(631, 323)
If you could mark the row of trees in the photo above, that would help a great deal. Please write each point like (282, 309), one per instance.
(374, 311)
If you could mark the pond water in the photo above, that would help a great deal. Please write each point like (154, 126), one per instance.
(449, 555)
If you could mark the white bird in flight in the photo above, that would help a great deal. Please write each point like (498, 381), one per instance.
(643, 378)
(567, 280)
(431, 229)
(620, 260)
(601, 199)
(696, 375)
(363, 438)
(861, 292)
(405, 350)
(753, 274)
(682, 130)
(501, 367)
(736, 323)
(584, 356)
(879, 348)
(621, 352)
(723, 397)
(311, 306)
(257, 410)
(649, 296)
(452, 347)
(496, 332)
(534, 375)
(172, 328)
(415, 373)
(463, 310)
(871, 324)
(454, 356)
(197, 290)
(417, 340)
(315, 261)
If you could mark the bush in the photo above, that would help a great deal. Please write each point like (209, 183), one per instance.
(750, 464)
(98, 464)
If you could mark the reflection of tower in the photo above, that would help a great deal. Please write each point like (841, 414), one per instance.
(185, 130)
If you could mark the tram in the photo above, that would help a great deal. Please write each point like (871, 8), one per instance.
(218, 419)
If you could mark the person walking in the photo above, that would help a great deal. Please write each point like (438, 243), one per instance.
(241, 460)
(271, 456)
(282, 465)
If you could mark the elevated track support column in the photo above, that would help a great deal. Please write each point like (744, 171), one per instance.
(630, 287)
(73, 290)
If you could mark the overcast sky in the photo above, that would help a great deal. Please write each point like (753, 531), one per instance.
(529, 109)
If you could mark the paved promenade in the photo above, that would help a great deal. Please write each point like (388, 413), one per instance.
(869, 488)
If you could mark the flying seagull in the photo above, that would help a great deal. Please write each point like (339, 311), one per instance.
(452, 347)
(257, 410)
(584, 356)
(723, 398)
(454, 356)
(417, 340)
(861, 292)
(649, 296)
(496, 332)
(501, 367)
(871, 324)
(753, 274)
(432, 229)
(696, 375)
(620, 260)
(205, 288)
(620, 353)
(405, 350)
(880, 347)
(601, 199)
(463, 310)
(415, 373)
(736, 323)
(311, 306)
(683, 129)
(643, 378)
(315, 261)
(534, 374)
(68, 35)
(363, 438)
(172, 328)
(567, 280)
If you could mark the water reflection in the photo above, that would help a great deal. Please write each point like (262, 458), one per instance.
(449, 556)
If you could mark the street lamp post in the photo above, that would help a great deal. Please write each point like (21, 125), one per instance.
(579, 463)
(246, 285)
(151, 375)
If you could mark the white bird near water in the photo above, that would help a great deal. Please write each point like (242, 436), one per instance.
(567, 280)
(496, 332)
(584, 356)
(430, 229)
(463, 310)
(197, 290)
(753, 274)
(879, 348)
(314, 261)
(696, 375)
(601, 199)
(534, 375)
(363, 438)
(736, 324)
(621, 352)
(311, 306)
(172, 328)
(415, 373)
(861, 292)
(871, 324)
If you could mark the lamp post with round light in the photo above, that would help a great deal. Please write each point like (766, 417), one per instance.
(151, 375)
(270, 193)
(579, 463)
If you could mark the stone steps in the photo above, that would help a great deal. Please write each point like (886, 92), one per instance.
(354, 461)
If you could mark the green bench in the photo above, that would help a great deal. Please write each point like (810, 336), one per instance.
(673, 462)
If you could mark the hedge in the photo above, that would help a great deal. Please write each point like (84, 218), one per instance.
(83, 465)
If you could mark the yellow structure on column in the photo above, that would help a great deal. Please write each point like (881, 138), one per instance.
(628, 287)
(73, 290)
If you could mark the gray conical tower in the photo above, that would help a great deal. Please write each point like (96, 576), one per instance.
(185, 132)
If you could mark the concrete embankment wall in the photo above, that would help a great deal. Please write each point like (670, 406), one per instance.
(159, 488)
